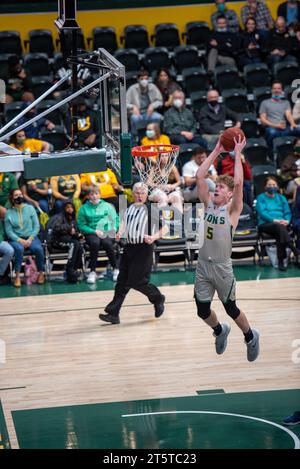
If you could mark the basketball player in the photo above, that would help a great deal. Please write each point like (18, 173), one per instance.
(141, 228)
(214, 269)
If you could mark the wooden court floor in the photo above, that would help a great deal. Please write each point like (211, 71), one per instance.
(59, 354)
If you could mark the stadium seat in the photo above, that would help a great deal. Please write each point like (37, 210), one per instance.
(105, 37)
(54, 116)
(197, 33)
(156, 58)
(249, 125)
(65, 41)
(57, 137)
(41, 84)
(286, 72)
(256, 151)
(256, 75)
(166, 35)
(40, 40)
(226, 76)
(10, 43)
(236, 100)
(13, 109)
(37, 64)
(259, 174)
(260, 94)
(198, 99)
(58, 61)
(245, 235)
(131, 78)
(4, 68)
(185, 154)
(135, 36)
(282, 146)
(129, 58)
(186, 57)
(195, 79)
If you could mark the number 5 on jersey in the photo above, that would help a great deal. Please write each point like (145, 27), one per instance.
(210, 232)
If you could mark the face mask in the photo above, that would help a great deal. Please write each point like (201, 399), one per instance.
(297, 149)
(20, 141)
(232, 154)
(221, 30)
(18, 200)
(221, 7)
(213, 103)
(272, 190)
(178, 103)
(277, 97)
(144, 83)
(150, 133)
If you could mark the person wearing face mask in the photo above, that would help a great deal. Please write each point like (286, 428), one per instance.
(290, 169)
(6, 251)
(166, 86)
(274, 217)
(278, 44)
(223, 46)
(230, 15)
(98, 221)
(290, 11)
(107, 183)
(22, 228)
(33, 130)
(17, 82)
(260, 12)
(154, 136)
(25, 145)
(143, 101)
(180, 123)
(276, 116)
(212, 117)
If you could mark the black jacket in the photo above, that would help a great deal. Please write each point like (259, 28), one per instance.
(282, 10)
(228, 44)
(63, 225)
(277, 40)
(212, 123)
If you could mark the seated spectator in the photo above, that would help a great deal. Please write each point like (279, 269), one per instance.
(212, 117)
(230, 15)
(22, 228)
(296, 111)
(226, 166)
(274, 114)
(6, 251)
(143, 101)
(99, 222)
(65, 233)
(65, 188)
(223, 46)
(274, 217)
(250, 44)
(35, 192)
(290, 11)
(33, 130)
(180, 123)
(154, 136)
(296, 220)
(8, 182)
(296, 41)
(107, 183)
(87, 124)
(290, 169)
(17, 83)
(28, 145)
(260, 12)
(189, 172)
(166, 86)
(278, 44)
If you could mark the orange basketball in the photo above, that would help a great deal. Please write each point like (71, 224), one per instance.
(228, 136)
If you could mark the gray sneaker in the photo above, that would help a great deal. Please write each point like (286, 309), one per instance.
(221, 339)
(253, 347)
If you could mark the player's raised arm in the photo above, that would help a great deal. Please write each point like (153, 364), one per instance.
(203, 192)
(237, 199)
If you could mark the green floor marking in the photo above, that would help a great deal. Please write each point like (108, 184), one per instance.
(4, 438)
(185, 422)
(169, 278)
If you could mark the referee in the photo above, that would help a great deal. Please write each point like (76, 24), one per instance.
(139, 222)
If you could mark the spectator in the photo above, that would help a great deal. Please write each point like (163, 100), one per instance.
(166, 86)
(35, 192)
(296, 43)
(212, 117)
(296, 111)
(17, 84)
(66, 233)
(274, 217)
(107, 183)
(278, 43)
(154, 136)
(290, 11)
(98, 221)
(65, 188)
(260, 12)
(296, 220)
(143, 100)
(274, 114)
(33, 130)
(250, 45)
(226, 166)
(230, 15)
(189, 172)
(180, 123)
(290, 169)
(87, 124)
(22, 228)
(28, 145)
(8, 182)
(6, 251)
(223, 46)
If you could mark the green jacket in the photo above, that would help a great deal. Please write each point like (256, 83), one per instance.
(102, 217)
(176, 121)
(21, 222)
(8, 183)
(2, 233)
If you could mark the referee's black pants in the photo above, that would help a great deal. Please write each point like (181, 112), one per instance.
(135, 270)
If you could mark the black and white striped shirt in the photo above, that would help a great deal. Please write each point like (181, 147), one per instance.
(140, 220)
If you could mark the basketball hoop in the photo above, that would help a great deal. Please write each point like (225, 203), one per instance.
(154, 164)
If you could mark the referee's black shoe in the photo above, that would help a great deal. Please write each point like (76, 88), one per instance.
(109, 318)
(160, 307)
